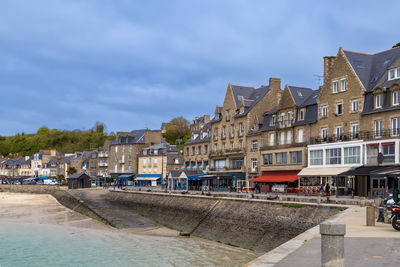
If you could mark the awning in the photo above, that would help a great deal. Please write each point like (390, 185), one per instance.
(277, 177)
(327, 171)
(196, 177)
(31, 178)
(150, 175)
(374, 170)
(124, 177)
(147, 178)
(43, 178)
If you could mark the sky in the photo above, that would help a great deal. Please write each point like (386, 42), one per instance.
(67, 64)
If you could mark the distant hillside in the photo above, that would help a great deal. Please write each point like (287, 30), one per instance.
(64, 141)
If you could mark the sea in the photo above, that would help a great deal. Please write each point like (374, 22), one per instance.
(37, 244)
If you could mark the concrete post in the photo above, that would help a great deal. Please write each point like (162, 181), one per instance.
(332, 244)
(362, 201)
(370, 216)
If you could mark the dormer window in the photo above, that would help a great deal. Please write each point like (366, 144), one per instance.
(394, 74)
(378, 101)
(302, 113)
(396, 98)
(241, 110)
(335, 87)
(273, 120)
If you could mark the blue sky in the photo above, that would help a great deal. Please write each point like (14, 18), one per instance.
(134, 64)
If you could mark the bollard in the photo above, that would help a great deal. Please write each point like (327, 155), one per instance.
(362, 201)
(370, 216)
(332, 244)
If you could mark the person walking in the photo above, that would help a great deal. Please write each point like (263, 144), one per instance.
(328, 192)
(321, 190)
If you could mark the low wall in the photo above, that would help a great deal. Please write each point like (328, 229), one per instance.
(58, 192)
(258, 225)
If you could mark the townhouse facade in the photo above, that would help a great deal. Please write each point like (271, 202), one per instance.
(123, 151)
(231, 162)
(196, 149)
(155, 162)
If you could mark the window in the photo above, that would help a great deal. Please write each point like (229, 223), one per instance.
(301, 114)
(300, 136)
(281, 158)
(240, 144)
(352, 155)
(354, 105)
(324, 111)
(335, 85)
(187, 151)
(199, 150)
(339, 108)
(271, 139)
(289, 137)
(223, 147)
(282, 122)
(241, 128)
(267, 159)
(236, 163)
(316, 157)
(388, 152)
(372, 153)
(396, 98)
(343, 85)
(354, 131)
(232, 131)
(254, 164)
(193, 151)
(228, 115)
(273, 120)
(116, 149)
(282, 139)
(339, 131)
(205, 149)
(219, 164)
(254, 145)
(378, 101)
(395, 126)
(223, 132)
(394, 74)
(231, 145)
(216, 147)
(378, 128)
(324, 134)
(296, 157)
(333, 156)
(289, 118)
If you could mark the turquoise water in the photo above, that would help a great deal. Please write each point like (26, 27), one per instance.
(25, 244)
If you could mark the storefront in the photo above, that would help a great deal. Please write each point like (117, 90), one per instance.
(148, 180)
(126, 180)
(269, 181)
(185, 180)
(227, 181)
(311, 180)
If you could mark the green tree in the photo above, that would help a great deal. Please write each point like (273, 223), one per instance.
(177, 131)
(72, 170)
(396, 45)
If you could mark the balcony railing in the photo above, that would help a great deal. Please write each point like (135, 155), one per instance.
(227, 151)
(284, 123)
(252, 170)
(103, 155)
(361, 135)
(240, 133)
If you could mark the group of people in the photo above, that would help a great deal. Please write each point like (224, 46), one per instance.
(326, 191)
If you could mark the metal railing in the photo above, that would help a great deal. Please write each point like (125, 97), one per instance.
(361, 135)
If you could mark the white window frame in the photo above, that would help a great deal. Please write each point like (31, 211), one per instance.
(282, 138)
(272, 139)
(324, 133)
(395, 72)
(395, 126)
(289, 137)
(324, 111)
(354, 105)
(335, 86)
(302, 114)
(337, 109)
(396, 98)
(339, 132)
(316, 157)
(378, 128)
(254, 145)
(343, 85)
(378, 104)
(354, 133)
(300, 138)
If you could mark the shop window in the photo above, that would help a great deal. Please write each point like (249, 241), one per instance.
(352, 155)
(296, 157)
(281, 158)
(372, 153)
(316, 157)
(267, 159)
(333, 156)
(388, 152)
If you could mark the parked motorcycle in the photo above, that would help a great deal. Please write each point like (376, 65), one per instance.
(395, 217)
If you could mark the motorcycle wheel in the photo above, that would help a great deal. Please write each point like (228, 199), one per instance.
(396, 222)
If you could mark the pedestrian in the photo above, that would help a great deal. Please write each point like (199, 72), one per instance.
(321, 190)
(328, 192)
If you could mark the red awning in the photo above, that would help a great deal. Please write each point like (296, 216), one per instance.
(388, 144)
(277, 177)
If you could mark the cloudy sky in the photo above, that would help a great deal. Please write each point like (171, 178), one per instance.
(134, 64)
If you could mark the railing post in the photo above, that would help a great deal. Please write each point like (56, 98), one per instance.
(332, 244)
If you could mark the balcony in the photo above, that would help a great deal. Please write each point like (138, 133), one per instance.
(252, 170)
(234, 151)
(284, 124)
(103, 155)
(362, 135)
(268, 146)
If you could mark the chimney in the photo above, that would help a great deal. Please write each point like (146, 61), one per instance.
(206, 118)
(274, 83)
(328, 63)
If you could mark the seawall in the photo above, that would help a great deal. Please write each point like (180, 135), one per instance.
(258, 225)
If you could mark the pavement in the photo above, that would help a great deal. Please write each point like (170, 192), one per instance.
(377, 245)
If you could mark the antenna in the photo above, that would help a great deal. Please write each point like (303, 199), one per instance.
(318, 78)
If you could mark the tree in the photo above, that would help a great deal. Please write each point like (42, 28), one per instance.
(177, 131)
(72, 170)
(396, 45)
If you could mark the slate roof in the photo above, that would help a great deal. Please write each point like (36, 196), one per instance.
(77, 175)
(206, 128)
(134, 137)
(300, 94)
(251, 97)
(372, 68)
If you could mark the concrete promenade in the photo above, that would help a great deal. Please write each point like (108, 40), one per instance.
(364, 246)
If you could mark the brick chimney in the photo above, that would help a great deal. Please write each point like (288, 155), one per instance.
(275, 87)
(328, 63)
(206, 118)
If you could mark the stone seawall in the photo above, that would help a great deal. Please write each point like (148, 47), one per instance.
(258, 225)
(58, 192)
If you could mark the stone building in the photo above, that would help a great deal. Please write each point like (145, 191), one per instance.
(40, 158)
(283, 137)
(196, 149)
(242, 110)
(103, 159)
(155, 162)
(123, 151)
